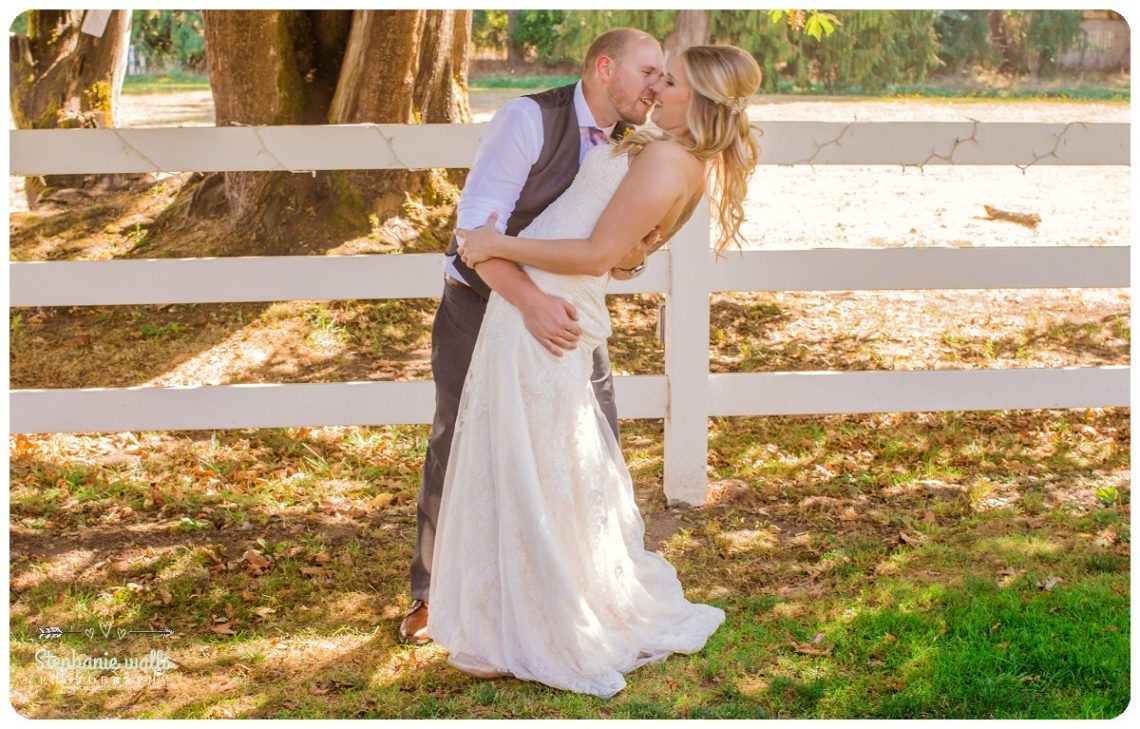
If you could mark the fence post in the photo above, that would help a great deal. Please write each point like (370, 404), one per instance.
(687, 361)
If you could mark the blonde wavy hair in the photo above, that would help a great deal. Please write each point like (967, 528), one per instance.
(722, 78)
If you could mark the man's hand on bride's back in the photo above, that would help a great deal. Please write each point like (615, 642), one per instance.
(551, 321)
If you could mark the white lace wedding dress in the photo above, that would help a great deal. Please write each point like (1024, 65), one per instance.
(539, 569)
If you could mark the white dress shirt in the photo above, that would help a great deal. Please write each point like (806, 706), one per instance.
(509, 146)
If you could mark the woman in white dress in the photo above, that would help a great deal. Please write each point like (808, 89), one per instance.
(540, 570)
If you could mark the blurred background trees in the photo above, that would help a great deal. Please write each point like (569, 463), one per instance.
(871, 50)
(343, 66)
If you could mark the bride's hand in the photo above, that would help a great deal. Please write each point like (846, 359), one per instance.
(478, 245)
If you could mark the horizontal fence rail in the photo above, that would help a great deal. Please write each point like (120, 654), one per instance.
(263, 405)
(641, 396)
(419, 275)
(421, 146)
(820, 393)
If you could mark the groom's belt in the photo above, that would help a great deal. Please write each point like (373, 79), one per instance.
(452, 281)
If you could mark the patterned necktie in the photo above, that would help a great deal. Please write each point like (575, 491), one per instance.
(592, 137)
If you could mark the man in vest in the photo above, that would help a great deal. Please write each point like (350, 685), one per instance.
(528, 156)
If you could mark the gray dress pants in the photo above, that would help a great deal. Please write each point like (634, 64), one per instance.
(453, 335)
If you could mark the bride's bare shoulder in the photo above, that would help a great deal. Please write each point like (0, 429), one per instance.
(668, 153)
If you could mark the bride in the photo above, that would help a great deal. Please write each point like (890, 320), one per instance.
(540, 570)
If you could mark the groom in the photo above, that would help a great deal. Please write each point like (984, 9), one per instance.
(527, 157)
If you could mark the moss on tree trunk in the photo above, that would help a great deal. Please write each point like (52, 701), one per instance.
(323, 67)
(60, 77)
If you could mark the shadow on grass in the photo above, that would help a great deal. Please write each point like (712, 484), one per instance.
(952, 626)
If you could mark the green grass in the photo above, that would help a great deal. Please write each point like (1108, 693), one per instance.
(994, 612)
(160, 83)
(976, 650)
(157, 83)
(519, 82)
(1076, 93)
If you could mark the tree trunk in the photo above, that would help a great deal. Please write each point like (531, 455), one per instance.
(803, 79)
(691, 29)
(61, 77)
(515, 55)
(271, 67)
(998, 40)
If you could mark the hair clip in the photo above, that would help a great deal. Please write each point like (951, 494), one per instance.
(736, 103)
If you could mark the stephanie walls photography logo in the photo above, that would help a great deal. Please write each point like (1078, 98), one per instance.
(65, 665)
(77, 666)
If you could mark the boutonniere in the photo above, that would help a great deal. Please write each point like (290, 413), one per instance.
(626, 132)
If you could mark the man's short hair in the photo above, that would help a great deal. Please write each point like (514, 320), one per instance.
(612, 43)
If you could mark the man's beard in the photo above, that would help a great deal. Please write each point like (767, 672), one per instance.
(630, 110)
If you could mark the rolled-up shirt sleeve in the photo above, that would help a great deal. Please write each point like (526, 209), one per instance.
(508, 148)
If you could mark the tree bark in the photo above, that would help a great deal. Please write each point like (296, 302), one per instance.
(60, 77)
(998, 39)
(271, 67)
(691, 29)
(515, 55)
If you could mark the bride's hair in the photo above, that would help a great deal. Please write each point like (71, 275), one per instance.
(722, 78)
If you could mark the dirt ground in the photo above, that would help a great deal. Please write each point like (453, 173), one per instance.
(860, 207)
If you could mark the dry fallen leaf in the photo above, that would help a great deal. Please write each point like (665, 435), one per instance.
(1029, 220)
(813, 648)
(908, 539)
(23, 445)
(257, 561)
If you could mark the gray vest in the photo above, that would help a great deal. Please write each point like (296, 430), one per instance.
(550, 176)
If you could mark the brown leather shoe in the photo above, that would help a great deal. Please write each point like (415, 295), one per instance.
(413, 628)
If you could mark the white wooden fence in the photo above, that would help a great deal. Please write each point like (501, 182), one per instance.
(686, 395)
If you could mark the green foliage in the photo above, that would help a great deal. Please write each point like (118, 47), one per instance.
(819, 23)
(813, 22)
(489, 29)
(964, 39)
(878, 47)
(559, 36)
(20, 24)
(170, 38)
(1109, 495)
(763, 34)
(1027, 41)
(1051, 33)
(864, 51)
(538, 31)
(581, 27)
